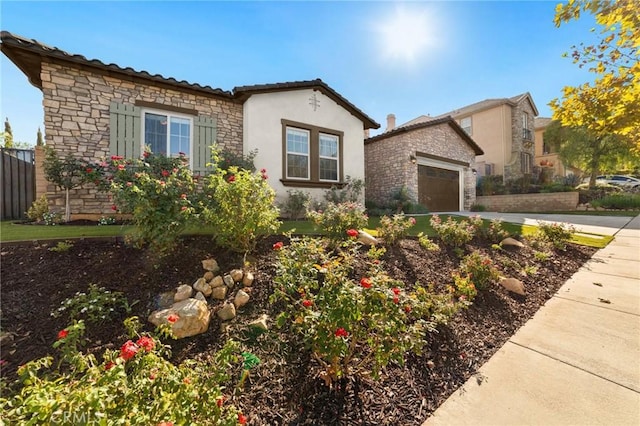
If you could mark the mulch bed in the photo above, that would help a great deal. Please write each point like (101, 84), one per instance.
(283, 388)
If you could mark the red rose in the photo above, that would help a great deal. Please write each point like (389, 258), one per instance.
(89, 169)
(183, 196)
(395, 291)
(120, 166)
(306, 303)
(128, 350)
(146, 154)
(265, 177)
(263, 171)
(165, 424)
(220, 401)
(147, 343)
(109, 365)
(116, 157)
(278, 245)
(396, 300)
(365, 282)
(352, 232)
(172, 318)
(407, 308)
(341, 332)
(183, 208)
(242, 419)
(231, 178)
(62, 334)
(165, 173)
(114, 207)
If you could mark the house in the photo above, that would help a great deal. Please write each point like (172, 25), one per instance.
(546, 154)
(434, 160)
(307, 135)
(503, 128)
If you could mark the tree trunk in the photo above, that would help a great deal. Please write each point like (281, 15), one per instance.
(595, 163)
(67, 208)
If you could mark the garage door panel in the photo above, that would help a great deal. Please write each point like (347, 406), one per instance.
(438, 189)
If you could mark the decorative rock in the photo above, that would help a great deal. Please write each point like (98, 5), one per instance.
(200, 296)
(236, 274)
(248, 278)
(511, 242)
(210, 265)
(227, 312)
(216, 282)
(202, 286)
(514, 285)
(193, 317)
(228, 281)
(208, 276)
(260, 323)
(366, 238)
(219, 293)
(184, 292)
(241, 299)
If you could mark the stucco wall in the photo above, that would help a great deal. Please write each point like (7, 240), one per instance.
(76, 113)
(388, 164)
(263, 115)
(491, 130)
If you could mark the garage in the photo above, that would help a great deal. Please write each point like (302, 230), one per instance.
(439, 188)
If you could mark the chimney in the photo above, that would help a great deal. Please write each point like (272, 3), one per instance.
(391, 122)
(366, 133)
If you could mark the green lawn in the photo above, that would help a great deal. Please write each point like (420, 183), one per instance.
(10, 231)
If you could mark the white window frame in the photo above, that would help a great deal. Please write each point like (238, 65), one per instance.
(336, 158)
(169, 115)
(308, 154)
(470, 127)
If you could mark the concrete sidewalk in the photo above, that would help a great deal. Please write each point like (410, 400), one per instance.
(576, 362)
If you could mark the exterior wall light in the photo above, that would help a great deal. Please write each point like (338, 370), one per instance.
(413, 159)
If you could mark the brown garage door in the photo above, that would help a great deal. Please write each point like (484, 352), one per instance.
(438, 189)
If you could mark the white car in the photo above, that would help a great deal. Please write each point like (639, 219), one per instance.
(626, 182)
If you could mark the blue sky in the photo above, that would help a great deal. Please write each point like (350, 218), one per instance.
(385, 57)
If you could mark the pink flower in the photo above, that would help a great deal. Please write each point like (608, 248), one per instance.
(365, 282)
(412, 220)
(183, 196)
(183, 208)
(278, 245)
(129, 184)
(263, 171)
(265, 177)
(341, 332)
(352, 232)
(231, 178)
(165, 424)
(120, 166)
(147, 343)
(146, 154)
(116, 157)
(128, 350)
(62, 334)
(172, 318)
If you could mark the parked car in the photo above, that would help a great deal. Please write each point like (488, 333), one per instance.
(627, 182)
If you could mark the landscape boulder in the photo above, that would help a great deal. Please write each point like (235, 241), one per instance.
(193, 317)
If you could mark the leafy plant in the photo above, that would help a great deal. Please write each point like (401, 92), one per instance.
(51, 218)
(106, 220)
(38, 209)
(295, 204)
(394, 228)
(453, 233)
(97, 305)
(349, 192)
(62, 246)
(477, 208)
(493, 232)
(426, 243)
(541, 256)
(338, 218)
(401, 199)
(464, 287)
(67, 174)
(618, 201)
(228, 159)
(480, 269)
(557, 234)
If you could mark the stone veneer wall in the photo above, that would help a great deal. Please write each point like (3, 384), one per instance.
(554, 201)
(76, 113)
(388, 167)
(513, 168)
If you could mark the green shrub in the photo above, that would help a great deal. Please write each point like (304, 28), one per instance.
(38, 209)
(336, 219)
(296, 204)
(618, 201)
(493, 232)
(97, 305)
(62, 246)
(453, 233)
(477, 208)
(349, 192)
(394, 228)
(463, 287)
(479, 268)
(353, 327)
(558, 234)
(228, 159)
(426, 243)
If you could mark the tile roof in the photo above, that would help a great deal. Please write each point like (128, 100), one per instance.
(27, 54)
(541, 122)
(429, 123)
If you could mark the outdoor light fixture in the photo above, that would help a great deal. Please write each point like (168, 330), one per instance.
(413, 159)
(475, 172)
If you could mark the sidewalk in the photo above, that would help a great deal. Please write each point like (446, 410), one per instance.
(576, 362)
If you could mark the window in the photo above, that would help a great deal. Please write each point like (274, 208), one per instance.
(312, 156)
(526, 162)
(465, 123)
(526, 132)
(167, 133)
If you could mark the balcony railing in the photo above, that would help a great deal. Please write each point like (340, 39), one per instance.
(526, 134)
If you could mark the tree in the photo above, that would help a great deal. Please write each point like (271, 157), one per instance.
(610, 105)
(580, 148)
(8, 134)
(39, 140)
(67, 174)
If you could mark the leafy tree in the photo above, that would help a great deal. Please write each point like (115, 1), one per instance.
(611, 103)
(39, 140)
(67, 174)
(581, 148)
(8, 134)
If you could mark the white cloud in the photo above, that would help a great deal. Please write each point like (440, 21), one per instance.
(406, 35)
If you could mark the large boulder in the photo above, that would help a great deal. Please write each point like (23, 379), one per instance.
(513, 285)
(193, 317)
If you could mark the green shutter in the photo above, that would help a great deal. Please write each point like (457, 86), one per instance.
(204, 135)
(124, 130)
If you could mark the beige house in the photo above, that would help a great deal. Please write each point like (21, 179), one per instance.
(434, 160)
(546, 156)
(307, 135)
(504, 129)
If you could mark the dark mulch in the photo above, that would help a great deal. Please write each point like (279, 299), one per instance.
(282, 389)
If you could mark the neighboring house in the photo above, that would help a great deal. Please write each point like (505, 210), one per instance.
(434, 160)
(546, 155)
(307, 135)
(503, 128)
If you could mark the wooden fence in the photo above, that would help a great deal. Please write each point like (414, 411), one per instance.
(17, 182)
